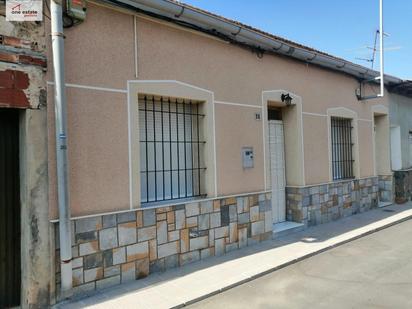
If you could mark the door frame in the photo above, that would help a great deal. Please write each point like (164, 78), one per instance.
(293, 130)
(37, 237)
(12, 210)
(382, 151)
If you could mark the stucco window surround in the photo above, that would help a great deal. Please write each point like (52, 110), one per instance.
(174, 89)
(381, 140)
(344, 112)
(293, 131)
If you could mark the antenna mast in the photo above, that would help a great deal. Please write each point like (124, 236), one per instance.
(381, 73)
(381, 33)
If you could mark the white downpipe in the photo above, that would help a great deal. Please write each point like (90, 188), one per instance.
(381, 34)
(61, 148)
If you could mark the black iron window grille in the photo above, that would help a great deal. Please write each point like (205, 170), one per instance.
(342, 148)
(171, 149)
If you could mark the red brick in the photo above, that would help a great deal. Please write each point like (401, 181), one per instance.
(16, 42)
(21, 80)
(32, 60)
(14, 79)
(6, 79)
(13, 98)
(25, 59)
(7, 57)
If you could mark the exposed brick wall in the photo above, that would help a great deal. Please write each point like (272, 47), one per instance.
(22, 65)
(112, 249)
(12, 86)
(22, 58)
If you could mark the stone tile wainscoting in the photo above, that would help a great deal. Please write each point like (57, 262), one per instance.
(403, 186)
(111, 249)
(313, 205)
(386, 188)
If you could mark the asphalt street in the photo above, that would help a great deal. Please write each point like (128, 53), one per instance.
(372, 272)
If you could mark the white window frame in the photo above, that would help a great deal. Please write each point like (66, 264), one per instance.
(175, 89)
(344, 112)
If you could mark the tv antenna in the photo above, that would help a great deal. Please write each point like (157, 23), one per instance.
(374, 49)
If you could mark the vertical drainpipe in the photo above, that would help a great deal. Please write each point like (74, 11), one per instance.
(61, 149)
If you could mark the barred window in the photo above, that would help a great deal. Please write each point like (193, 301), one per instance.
(342, 152)
(171, 149)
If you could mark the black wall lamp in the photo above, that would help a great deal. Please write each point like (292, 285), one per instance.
(286, 98)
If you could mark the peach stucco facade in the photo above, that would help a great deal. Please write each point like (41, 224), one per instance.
(112, 47)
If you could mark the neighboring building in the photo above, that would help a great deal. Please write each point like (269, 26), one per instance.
(400, 112)
(24, 214)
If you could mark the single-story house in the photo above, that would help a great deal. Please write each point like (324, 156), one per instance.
(189, 135)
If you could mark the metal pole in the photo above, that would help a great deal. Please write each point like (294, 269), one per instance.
(61, 149)
(381, 34)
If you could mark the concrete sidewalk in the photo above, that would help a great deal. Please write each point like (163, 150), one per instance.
(186, 285)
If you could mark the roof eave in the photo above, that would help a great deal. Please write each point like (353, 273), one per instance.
(236, 32)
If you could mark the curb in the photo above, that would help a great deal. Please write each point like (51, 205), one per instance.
(291, 262)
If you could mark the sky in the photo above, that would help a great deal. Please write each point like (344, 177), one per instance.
(343, 28)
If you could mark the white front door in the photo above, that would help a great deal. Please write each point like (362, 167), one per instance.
(277, 170)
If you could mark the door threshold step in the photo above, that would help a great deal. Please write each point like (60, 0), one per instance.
(384, 204)
(285, 228)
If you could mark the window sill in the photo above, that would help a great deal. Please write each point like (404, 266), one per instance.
(344, 179)
(173, 202)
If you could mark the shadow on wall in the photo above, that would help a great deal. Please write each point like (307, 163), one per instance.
(403, 186)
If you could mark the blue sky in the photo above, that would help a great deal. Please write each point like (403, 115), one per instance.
(340, 27)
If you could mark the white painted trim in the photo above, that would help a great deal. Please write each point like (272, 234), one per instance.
(314, 114)
(325, 115)
(129, 133)
(172, 88)
(214, 141)
(91, 87)
(238, 104)
(282, 91)
(148, 81)
(335, 182)
(275, 96)
(382, 111)
(350, 114)
(165, 205)
(302, 142)
(340, 111)
(264, 116)
(136, 71)
(375, 168)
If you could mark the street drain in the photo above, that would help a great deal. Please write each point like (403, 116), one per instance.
(388, 210)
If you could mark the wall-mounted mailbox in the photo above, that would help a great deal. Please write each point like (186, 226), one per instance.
(247, 157)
